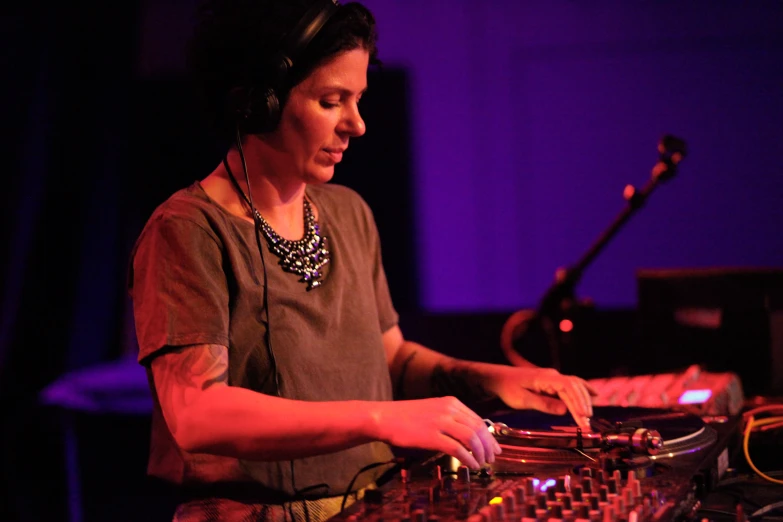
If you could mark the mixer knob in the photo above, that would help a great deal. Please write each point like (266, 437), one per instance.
(593, 503)
(618, 477)
(612, 486)
(601, 476)
(628, 498)
(587, 485)
(498, 511)
(619, 506)
(448, 483)
(529, 513)
(560, 486)
(556, 512)
(541, 501)
(551, 495)
(583, 512)
(603, 494)
(577, 492)
(587, 473)
(509, 501)
(418, 515)
(636, 488)
(475, 518)
(608, 514)
(633, 516)
(486, 513)
(568, 501)
(434, 494)
(463, 475)
(519, 491)
(437, 474)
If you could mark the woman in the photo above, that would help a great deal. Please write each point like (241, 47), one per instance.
(262, 309)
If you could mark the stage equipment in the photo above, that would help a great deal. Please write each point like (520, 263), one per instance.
(551, 323)
(634, 464)
(693, 390)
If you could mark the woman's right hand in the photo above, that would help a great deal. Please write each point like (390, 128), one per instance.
(441, 424)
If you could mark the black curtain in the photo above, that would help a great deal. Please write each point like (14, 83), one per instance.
(68, 82)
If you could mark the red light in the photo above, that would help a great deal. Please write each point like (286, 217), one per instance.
(566, 325)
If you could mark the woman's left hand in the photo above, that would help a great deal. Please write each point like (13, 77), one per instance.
(543, 389)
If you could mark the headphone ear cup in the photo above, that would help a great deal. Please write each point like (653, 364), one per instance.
(255, 110)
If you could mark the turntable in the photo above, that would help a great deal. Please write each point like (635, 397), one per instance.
(634, 464)
(620, 438)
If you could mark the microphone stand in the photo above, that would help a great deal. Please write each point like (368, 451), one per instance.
(560, 295)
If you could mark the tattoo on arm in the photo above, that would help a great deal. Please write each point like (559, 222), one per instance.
(462, 383)
(399, 392)
(181, 374)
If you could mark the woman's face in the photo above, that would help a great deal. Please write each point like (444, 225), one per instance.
(319, 118)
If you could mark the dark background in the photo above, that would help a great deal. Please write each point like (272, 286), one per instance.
(91, 145)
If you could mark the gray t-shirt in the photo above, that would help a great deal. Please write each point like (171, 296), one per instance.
(197, 278)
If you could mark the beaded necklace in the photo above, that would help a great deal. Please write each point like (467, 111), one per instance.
(305, 257)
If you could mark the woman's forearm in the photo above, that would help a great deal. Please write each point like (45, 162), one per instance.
(240, 423)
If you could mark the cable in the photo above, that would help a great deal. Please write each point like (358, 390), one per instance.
(746, 439)
(368, 467)
(254, 213)
(766, 509)
(761, 409)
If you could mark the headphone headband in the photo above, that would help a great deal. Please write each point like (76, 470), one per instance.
(257, 108)
(305, 30)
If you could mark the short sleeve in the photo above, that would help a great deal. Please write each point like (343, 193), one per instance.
(387, 314)
(178, 286)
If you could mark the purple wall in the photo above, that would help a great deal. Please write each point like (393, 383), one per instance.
(531, 117)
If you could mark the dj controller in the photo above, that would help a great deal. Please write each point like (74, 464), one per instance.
(634, 464)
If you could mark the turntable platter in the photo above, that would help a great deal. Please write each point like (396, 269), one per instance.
(670, 424)
(531, 436)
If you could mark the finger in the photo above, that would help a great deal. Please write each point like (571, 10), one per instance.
(468, 437)
(476, 423)
(574, 407)
(452, 447)
(590, 388)
(473, 420)
(581, 396)
(549, 405)
(585, 389)
(581, 419)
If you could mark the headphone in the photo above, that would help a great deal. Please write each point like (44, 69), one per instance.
(257, 108)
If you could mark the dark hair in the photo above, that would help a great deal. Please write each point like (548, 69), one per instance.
(235, 41)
